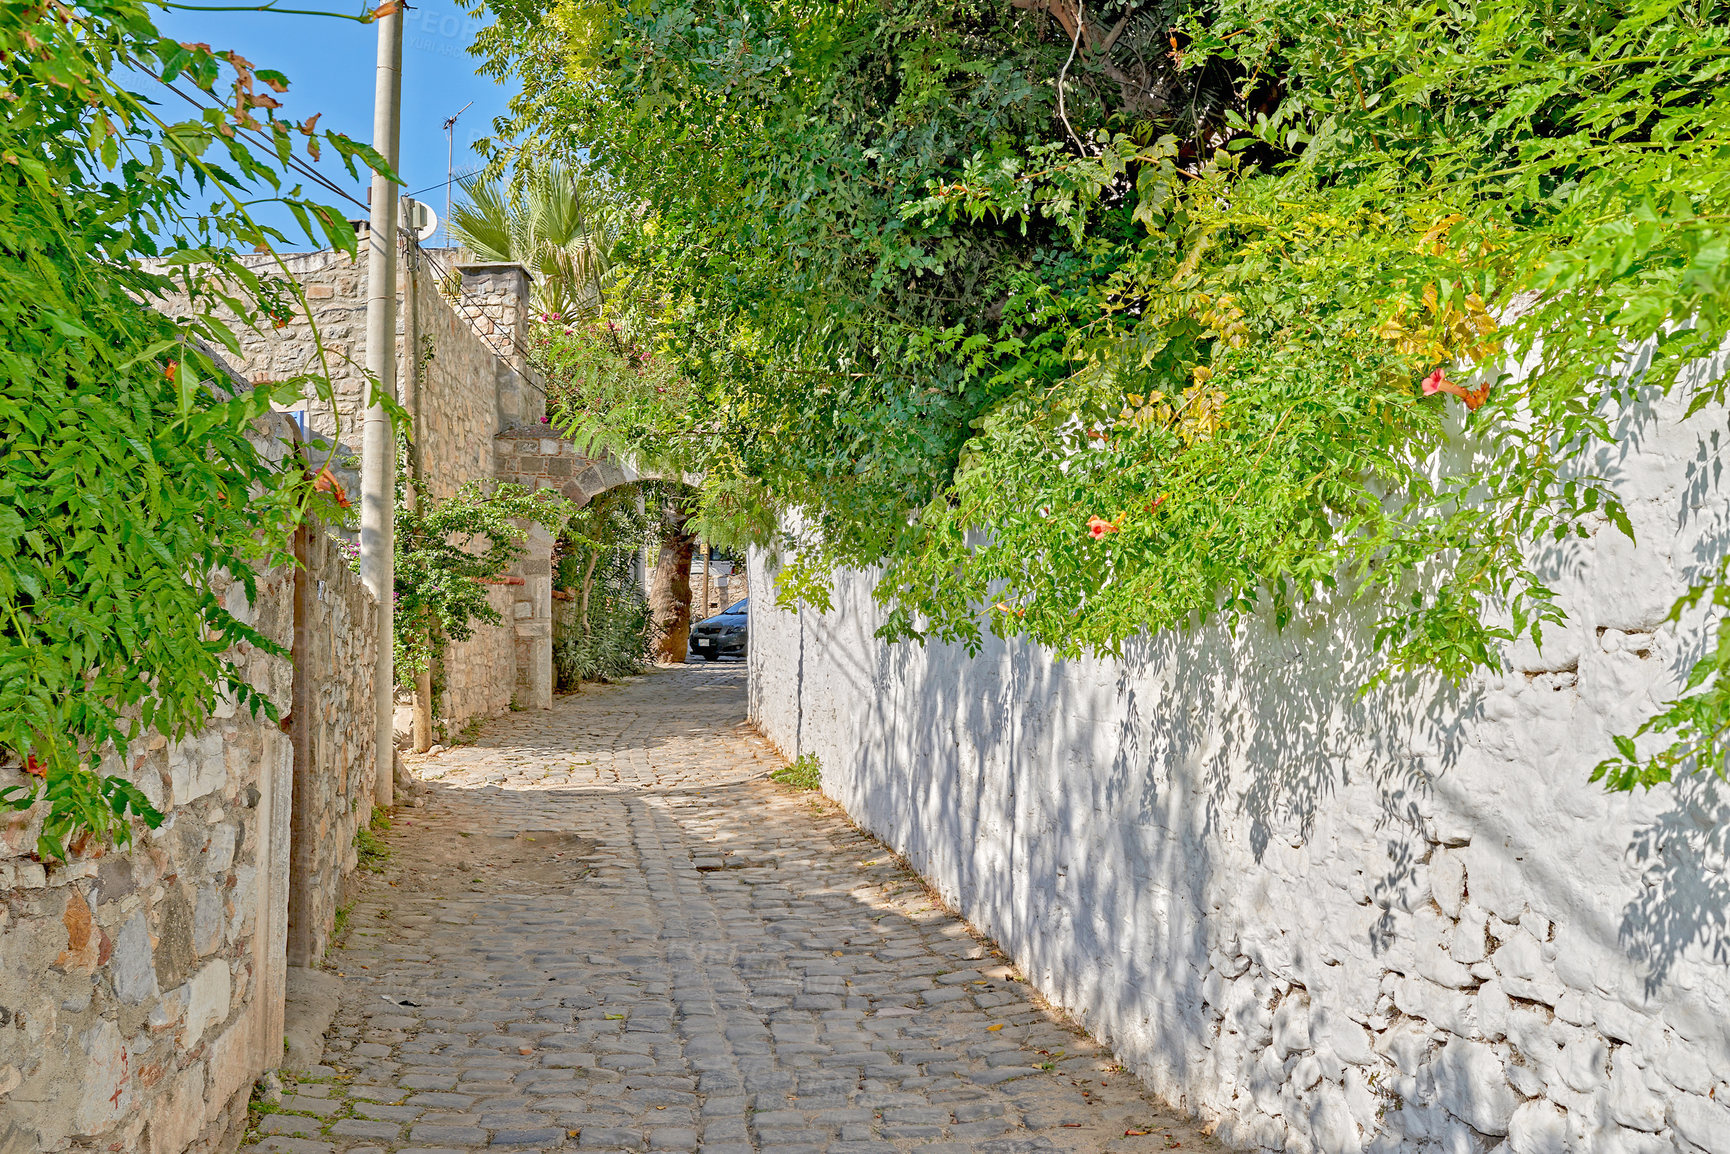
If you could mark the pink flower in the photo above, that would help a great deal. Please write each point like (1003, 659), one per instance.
(1098, 527)
(1435, 382)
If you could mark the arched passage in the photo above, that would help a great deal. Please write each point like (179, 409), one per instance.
(537, 457)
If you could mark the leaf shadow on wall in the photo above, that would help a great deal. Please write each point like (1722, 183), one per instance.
(1076, 810)
(1681, 905)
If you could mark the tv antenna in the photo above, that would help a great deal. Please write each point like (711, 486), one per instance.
(450, 159)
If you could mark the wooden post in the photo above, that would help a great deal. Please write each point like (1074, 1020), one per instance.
(302, 934)
(703, 597)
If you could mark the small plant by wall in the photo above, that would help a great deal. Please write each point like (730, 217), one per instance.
(369, 845)
(806, 772)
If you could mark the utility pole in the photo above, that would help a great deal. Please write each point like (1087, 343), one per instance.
(378, 443)
(450, 164)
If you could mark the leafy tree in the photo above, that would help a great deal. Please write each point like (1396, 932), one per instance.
(1083, 320)
(131, 475)
(600, 547)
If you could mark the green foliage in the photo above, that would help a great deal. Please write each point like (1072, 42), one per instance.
(339, 926)
(804, 772)
(615, 642)
(1698, 720)
(1083, 330)
(448, 551)
(559, 225)
(371, 850)
(131, 478)
(610, 638)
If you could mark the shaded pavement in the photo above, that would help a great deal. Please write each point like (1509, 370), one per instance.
(602, 928)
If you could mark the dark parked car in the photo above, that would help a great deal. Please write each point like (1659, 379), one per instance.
(723, 635)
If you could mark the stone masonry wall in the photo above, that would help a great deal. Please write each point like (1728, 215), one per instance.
(1397, 923)
(480, 673)
(537, 458)
(341, 647)
(455, 395)
(465, 378)
(141, 990)
(728, 583)
(457, 419)
(494, 300)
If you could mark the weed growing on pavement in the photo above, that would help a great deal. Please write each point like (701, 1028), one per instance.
(257, 1108)
(339, 925)
(806, 772)
(370, 848)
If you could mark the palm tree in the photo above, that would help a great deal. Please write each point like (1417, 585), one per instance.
(558, 227)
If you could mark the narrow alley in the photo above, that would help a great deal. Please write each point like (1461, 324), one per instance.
(604, 928)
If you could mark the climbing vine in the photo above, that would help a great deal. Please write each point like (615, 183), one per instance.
(448, 551)
(1081, 320)
(131, 474)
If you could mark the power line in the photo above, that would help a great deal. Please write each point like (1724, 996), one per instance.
(441, 184)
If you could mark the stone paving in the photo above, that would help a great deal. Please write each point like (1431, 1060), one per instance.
(602, 928)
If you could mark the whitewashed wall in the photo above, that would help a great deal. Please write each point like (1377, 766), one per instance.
(1401, 923)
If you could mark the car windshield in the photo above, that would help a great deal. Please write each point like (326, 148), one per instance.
(733, 614)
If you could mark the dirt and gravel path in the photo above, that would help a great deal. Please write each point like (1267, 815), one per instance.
(604, 929)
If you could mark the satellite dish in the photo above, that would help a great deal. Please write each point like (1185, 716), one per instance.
(419, 218)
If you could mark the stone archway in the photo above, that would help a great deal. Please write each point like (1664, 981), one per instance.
(537, 457)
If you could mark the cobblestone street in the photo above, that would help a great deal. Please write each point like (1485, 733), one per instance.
(603, 928)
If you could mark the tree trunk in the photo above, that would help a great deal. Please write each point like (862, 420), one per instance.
(423, 710)
(588, 584)
(670, 592)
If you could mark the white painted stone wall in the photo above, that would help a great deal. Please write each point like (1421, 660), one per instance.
(1331, 923)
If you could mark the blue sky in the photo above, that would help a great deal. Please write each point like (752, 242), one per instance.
(330, 66)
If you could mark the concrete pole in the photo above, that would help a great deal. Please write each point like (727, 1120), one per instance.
(378, 443)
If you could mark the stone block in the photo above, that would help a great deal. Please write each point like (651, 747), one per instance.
(207, 919)
(1538, 1127)
(104, 1093)
(1291, 1025)
(196, 766)
(1584, 1063)
(1703, 1121)
(207, 1002)
(1449, 1009)
(235, 1059)
(1472, 1085)
(179, 1114)
(132, 966)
